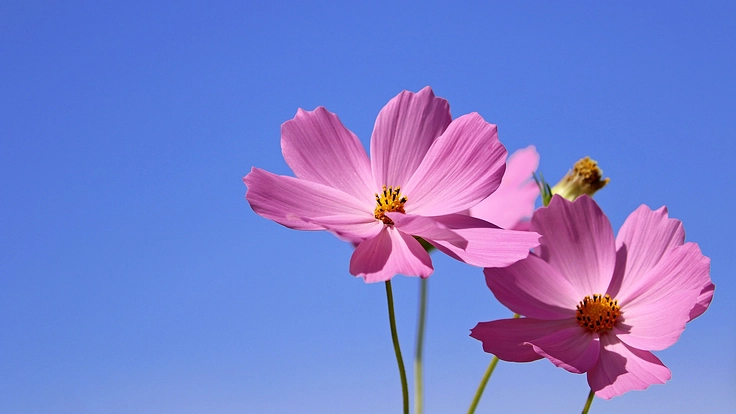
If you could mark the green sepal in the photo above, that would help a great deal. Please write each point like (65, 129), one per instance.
(427, 246)
(544, 189)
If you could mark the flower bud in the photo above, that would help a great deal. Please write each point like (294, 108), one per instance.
(584, 178)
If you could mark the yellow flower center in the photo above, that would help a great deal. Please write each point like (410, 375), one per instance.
(598, 313)
(389, 200)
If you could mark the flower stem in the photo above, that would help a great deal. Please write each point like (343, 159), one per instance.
(484, 380)
(591, 394)
(397, 348)
(482, 385)
(419, 349)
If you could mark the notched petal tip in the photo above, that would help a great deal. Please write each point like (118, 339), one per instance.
(621, 369)
(405, 128)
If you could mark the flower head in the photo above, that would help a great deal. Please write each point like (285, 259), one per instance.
(598, 305)
(512, 204)
(584, 178)
(425, 171)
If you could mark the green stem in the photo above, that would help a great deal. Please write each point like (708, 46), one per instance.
(397, 348)
(484, 380)
(591, 394)
(482, 385)
(419, 349)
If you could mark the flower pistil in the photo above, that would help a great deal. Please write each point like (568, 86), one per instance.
(388, 201)
(599, 313)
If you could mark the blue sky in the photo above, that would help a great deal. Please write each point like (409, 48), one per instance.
(134, 277)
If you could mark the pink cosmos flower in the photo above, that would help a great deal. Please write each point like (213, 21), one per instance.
(425, 171)
(512, 204)
(595, 305)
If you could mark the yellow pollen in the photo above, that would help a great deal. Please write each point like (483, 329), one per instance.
(389, 200)
(589, 172)
(584, 178)
(598, 313)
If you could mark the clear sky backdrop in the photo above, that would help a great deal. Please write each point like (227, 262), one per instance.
(134, 277)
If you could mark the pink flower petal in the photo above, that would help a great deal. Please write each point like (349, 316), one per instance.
(508, 338)
(348, 227)
(390, 253)
(487, 245)
(706, 296)
(656, 310)
(297, 203)
(426, 228)
(656, 326)
(647, 235)
(622, 368)
(514, 199)
(404, 130)
(684, 268)
(533, 288)
(319, 148)
(520, 166)
(574, 349)
(577, 240)
(463, 166)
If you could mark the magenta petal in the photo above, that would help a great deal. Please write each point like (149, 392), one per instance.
(390, 253)
(577, 240)
(656, 310)
(706, 296)
(574, 349)
(348, 227)
(508, 338)
(295, 203)
(404, 130)
(622, 368)
(487, 245)
(463, 166)
(520, 166)
(646, 236)
(514, 199)
(656, 325)
(426, 228)
(319, 148)
(684, 268)
(533, 288)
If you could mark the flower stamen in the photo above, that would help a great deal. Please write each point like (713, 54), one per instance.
(389, 200)
(599, 313)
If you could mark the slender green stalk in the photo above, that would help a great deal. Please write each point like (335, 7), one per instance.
(397, 348)
(482, 385)
(591, 394)
(419, 349)
(484, 380)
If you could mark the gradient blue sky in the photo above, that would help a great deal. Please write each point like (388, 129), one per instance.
(134, 277)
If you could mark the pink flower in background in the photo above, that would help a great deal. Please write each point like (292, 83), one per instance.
(425, 171)
(512, 204)
(595, 305)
